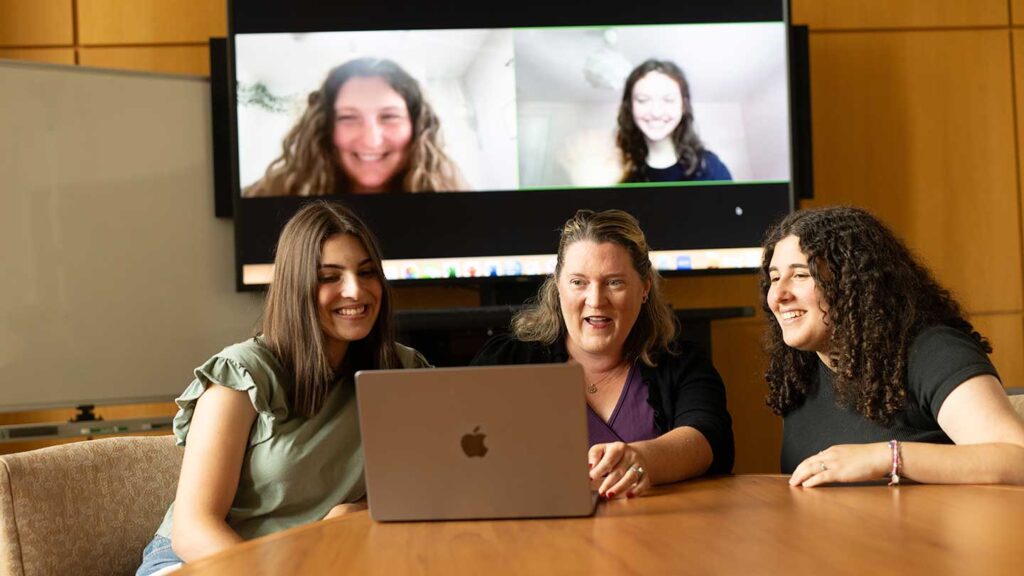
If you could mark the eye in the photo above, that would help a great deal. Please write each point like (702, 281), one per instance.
(575, 282)
(616, 282)
(391, 117)
(328, 278)
(367, 273)
(773, 279)
(346, 118)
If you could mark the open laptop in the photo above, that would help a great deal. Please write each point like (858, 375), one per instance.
(475, 442)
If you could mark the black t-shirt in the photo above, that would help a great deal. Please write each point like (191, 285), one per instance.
(940, 359)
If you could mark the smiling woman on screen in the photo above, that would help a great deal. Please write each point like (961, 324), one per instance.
(656, 407)
(367, 130)
(656, 135)
(269, 425)
(873, 366)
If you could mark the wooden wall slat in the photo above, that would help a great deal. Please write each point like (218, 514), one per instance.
(859, 14)
(36, 23)
(51, 55)
(919, 128)
(171, 59)
(1006, 334)
(739, 358)
(1017, 12)
(109, 22)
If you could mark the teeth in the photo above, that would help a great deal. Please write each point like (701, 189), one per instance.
(792, 314)
(351, 311)
(369, 157)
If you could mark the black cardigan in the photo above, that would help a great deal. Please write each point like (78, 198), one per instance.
(684, 389)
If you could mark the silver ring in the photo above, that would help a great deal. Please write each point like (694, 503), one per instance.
(639, 470)
(823, 467)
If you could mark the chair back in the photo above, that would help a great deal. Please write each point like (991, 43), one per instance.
(85, 508)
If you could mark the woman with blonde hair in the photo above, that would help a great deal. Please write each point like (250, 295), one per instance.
(367, 130)
(656, 407)
(270, 425)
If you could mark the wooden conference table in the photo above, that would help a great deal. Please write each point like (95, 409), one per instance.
(746, 525)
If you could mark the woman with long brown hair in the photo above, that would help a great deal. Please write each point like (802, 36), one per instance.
(656, 137)
(269, 425)
(873, 366)
(368, 129)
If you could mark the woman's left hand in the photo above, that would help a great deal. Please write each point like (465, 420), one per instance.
(617, 470)
(844, 463)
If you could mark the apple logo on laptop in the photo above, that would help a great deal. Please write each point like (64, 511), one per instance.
(473, 444)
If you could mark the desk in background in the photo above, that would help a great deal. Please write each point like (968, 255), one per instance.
(747, 525)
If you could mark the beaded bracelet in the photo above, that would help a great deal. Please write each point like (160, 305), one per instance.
(897, 463)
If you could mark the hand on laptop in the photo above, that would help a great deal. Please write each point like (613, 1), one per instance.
(343, 509)
(617, 470)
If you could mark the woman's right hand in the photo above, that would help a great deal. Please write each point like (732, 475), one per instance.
(343, 509)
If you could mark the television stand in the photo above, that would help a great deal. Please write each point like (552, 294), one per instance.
(453, 336)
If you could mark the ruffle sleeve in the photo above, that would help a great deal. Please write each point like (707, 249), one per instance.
(269, 403)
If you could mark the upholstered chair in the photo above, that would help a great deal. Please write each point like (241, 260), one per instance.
(84, 508)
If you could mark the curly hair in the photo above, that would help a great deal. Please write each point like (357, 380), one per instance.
(630, 140)
(308, 165)
(879, 299)
(655, 329)
(291, 320)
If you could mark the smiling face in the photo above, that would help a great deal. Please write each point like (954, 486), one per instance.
(795, 300)
(657, 106)
(600, 293)
(372, 132)
(348, 293)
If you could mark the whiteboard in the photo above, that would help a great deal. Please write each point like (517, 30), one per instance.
(116, 279)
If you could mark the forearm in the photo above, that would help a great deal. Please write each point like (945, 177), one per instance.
(992, 463)
(195, 539)
(675, 455)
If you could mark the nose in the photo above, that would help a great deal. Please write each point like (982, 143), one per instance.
(779, 292)
(350, 287)
(594, 295)
(373, 135)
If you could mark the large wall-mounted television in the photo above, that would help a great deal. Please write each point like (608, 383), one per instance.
(466, 133)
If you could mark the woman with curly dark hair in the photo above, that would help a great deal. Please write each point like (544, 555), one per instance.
(873, 366)
(656, 137)
(367, 130)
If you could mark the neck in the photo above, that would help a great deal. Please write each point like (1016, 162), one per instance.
(826, 360)
(661, 154)
(595, 365)
(336, 353)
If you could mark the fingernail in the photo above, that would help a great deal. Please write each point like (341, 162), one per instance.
(590, 464)
(630, 494)
(611, 495)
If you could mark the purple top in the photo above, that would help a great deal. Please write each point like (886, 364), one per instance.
(632, 420)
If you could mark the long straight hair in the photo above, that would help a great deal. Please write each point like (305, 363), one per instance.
(291, 320)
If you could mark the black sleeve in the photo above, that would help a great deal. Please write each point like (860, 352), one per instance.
(698, 401)
(940, 359)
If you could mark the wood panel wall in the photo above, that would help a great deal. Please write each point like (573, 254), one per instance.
(915, 117)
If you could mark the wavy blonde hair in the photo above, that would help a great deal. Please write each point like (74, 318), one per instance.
(308, 165)
(655, 329)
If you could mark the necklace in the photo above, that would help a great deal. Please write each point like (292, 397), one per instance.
(592, 387)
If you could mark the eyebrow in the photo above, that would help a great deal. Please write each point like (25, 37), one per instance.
(340, 267)
(776, 268)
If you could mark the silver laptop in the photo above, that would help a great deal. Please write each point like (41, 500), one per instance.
(476, 442)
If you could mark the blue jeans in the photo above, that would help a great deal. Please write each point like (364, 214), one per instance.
(157, 555)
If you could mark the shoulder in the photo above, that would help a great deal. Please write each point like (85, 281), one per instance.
(410, 357)
(714, 168)
(941, 358)
(253, 356)
(507, 349)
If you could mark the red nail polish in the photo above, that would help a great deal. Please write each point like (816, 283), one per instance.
(611, 495)
(630, 494)
(590, 465)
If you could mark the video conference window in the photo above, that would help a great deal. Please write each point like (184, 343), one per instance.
(510, 109)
